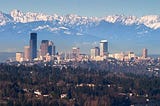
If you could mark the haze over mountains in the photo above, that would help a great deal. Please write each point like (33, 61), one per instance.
(122, 32)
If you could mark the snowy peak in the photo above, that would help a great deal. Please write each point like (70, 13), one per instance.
(19, 16)
(4, 18)
(122, 19)
(152, 21)
(73, 20)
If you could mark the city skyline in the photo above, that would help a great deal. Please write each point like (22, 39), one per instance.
(114, 28)
(47, 53)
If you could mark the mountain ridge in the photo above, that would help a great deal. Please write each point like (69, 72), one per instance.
(151, 21)
(123, 32)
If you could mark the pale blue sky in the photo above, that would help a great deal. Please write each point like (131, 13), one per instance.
(84, 7)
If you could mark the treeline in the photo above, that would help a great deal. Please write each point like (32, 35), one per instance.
(68, 86)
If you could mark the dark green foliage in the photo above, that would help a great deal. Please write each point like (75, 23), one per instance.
(83, 86)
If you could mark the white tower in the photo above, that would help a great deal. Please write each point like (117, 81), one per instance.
(103, 47)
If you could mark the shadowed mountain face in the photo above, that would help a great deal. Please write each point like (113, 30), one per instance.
(123, 32)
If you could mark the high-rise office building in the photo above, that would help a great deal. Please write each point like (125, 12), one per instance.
(27, 53)
(103, 47)
(144, 53)
(75, 52)
(44, 47)
(51, 48)
(33, 45)
(95, 52)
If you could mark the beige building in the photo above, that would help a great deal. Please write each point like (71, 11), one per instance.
(144, 53)
(75, 52)
(94, 52)
(26, 53)
(44, 47)
(19, 56)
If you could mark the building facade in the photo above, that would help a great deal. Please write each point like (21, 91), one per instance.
(75, 52)
(103, 48)
(95, 52)
(44, 47)
(33, 45)
(144, 53)
(26, 53)
(51, 48)
(19, 56)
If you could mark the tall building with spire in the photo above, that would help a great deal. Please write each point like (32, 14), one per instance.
(33, 45)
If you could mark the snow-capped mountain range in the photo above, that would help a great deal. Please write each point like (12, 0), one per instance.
(16, 16)
(79, 30)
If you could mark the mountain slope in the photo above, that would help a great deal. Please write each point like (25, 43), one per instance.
(122, 32)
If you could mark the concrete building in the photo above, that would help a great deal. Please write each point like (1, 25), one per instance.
(103, 48)
(51, 48)
(19, 56)
(75, 52)
(44, 47)
(144, 53)
(26, 53)
(95, 52)
(131, 55)
(123, 56)
(119, 56)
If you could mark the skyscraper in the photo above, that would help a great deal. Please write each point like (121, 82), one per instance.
(27, 53)
(144, 53)
(75, 52)
(33, 45)
(44, 47)
(103, 48)
(94, 52)
(51, 48)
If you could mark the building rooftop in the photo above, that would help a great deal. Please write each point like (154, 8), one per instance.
(102, 41)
